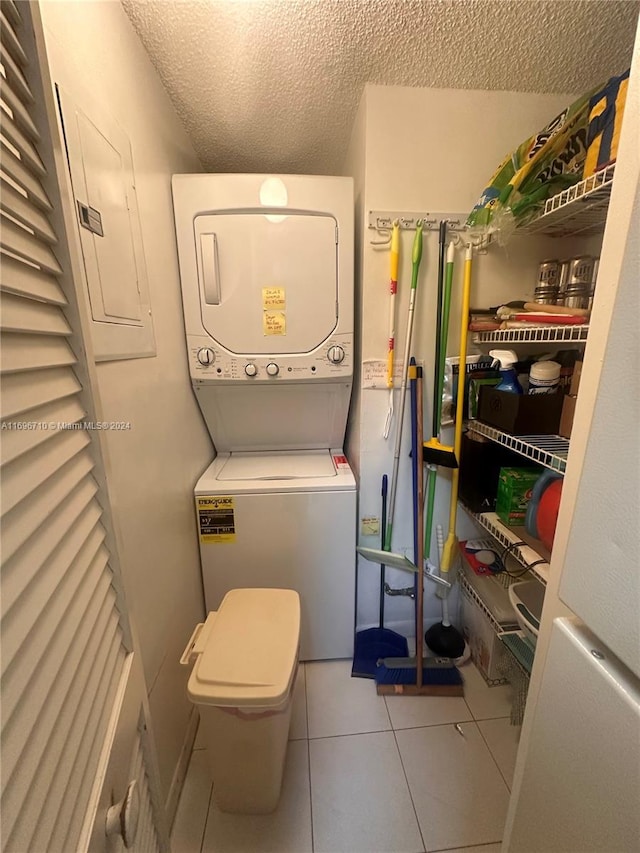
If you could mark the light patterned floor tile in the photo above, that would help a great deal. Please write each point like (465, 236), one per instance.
(502, 739)
(360, 798)
(298, 728)
(408, 712)
(191, 816)
(287, 830)
(199, 741)
(485, 703)
(338, 704)
(459, 795)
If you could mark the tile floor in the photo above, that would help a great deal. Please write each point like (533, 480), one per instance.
(371, 774)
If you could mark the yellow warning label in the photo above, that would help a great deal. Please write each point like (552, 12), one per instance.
(216, 518)
(273, 298)
(274, 323)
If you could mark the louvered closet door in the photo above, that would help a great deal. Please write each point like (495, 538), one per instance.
(66, 669)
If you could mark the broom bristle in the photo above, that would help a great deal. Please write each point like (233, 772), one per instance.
(407, 675)
(438, 454)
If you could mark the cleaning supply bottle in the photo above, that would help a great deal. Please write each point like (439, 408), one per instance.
(505, 359)
(544, 377)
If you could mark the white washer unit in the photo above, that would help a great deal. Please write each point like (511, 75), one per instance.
(287, 521)
(266, 264)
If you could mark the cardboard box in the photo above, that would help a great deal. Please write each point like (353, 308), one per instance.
(487, 652)
(520, 414)
(568, 413)
(514, 493)
(575, 378)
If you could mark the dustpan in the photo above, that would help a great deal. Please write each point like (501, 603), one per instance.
(374, 644)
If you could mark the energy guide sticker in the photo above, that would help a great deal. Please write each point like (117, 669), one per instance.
(216, 518)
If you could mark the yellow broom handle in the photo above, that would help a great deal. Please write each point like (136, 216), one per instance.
(462, 375)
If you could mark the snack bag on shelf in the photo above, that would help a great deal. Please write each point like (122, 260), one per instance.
(606, 109)
(540, 167)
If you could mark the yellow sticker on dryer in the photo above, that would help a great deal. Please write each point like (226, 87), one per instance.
(273, 298)
(216, 518)
(274, 323)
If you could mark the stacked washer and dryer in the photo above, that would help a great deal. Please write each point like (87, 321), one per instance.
(266, 265)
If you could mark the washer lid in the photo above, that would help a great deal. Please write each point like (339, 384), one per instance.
(286, 465)
(251, 650)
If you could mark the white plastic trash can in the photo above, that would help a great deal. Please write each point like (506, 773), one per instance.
(246, 656)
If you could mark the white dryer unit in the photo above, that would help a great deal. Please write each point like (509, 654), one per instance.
(266, 264)
(284, 520)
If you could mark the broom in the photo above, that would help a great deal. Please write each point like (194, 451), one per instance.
(443, 638)
(411, 675)
(436, 453)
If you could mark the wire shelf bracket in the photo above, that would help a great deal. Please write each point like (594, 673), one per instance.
(524, 554)
(580, 209)
(520, 648)
(551, 451)
(535, 335)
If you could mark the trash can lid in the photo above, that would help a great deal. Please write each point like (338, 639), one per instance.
(251, 650)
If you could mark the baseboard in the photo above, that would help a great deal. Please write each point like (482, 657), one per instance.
(181, 767)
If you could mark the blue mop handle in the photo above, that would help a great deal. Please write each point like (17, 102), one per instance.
(383, 528)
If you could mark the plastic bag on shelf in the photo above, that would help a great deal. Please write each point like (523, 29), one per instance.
(540, 167)
(478, 366)
(606, 109)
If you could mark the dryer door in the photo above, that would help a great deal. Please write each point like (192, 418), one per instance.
(267, 281)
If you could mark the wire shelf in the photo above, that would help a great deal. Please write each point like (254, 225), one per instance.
(581, 209)
(548, 450)
(473, 596)
(535, 335)
(520, 648)
(524, 554)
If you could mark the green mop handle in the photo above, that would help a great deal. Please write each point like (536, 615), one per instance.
(437, 401)
(446, 311)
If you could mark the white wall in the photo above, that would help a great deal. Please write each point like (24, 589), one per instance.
(152, 467)
(355, 167)
(428, 150)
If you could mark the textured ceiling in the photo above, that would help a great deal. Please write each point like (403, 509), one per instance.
(273, 85)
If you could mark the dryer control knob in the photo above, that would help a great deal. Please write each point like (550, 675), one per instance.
(250, 369)
(206, 356)
(335, 355)
(273, 369)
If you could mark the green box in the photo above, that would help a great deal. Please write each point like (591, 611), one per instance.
(514, 493)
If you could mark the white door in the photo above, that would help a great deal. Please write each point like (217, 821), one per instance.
(577, 780)
(581, 785)
(600, 580)
(73, 694)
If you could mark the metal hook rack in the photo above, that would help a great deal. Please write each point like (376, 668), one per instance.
(382, 221)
